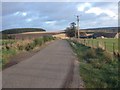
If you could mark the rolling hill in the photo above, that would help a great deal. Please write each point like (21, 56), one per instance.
(21, 30)
(102, 29)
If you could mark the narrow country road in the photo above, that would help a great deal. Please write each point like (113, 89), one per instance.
(49, 68)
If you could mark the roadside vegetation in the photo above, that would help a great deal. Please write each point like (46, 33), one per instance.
(98, 69)
(10, 48)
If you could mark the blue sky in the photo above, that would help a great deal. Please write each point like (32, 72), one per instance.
(54, 16)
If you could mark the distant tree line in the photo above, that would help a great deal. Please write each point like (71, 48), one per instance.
(21, 30)
(103, 29)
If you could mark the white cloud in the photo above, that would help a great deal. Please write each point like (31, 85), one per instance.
(18, 13)
(98, 11)
(51, 22)
(111, 14)
(24, 13)
(28, 20)
(81, 7)
(94, 10)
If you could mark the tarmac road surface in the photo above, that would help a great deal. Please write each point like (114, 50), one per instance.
(48, 68)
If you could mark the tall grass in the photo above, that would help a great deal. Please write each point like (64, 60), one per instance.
(98, 69)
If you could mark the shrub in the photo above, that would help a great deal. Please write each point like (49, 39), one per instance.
(29, 46)
(96, 63)
(99, 51)
(7, 47)
(47, 38)
(20, 47)
(6, 54)
(89, 54)
(38, 41)
(107, 57)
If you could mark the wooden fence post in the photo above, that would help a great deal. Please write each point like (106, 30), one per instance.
(84, 41)
(88, 42)
(113, 48)
(92, 44)
(97, 44)
(105, 45)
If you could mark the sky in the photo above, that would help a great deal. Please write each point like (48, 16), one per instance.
(55, 16)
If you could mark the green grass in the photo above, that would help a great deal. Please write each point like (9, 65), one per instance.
(5, 42)
(6, 54)
(108, 41)
(98, 69)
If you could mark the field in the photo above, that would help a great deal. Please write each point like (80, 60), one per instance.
(109, 44)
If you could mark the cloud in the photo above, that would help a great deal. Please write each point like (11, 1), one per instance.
(95, 10)
(98, 11)
(16, 13)
(24, 14)
(57, 15)
(29, 20)
(19, 13)
(51, 22)
(81, 7)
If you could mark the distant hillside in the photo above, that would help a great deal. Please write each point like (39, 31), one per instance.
(101, 29)
(21, 30)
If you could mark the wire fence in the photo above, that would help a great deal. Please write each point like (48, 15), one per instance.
(109, 45)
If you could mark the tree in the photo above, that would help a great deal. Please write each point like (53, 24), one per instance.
(70, 31)
(73, 25)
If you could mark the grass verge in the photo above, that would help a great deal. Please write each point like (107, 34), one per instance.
(98, 69)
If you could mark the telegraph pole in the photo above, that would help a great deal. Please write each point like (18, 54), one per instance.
(75, 33)
(78, 25)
